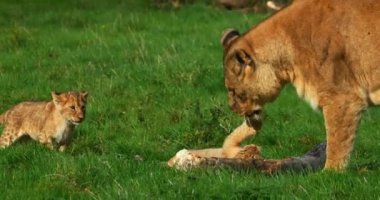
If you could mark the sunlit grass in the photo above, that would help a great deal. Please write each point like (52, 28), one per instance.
(156, 85)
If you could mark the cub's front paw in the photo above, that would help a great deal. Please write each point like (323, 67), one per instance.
(184, 160)
(62, 148)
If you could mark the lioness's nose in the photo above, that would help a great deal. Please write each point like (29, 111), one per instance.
(257, 111)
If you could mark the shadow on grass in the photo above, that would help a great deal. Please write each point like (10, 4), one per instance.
(373, 165)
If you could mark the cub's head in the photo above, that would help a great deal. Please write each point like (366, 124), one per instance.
(250, 77)
(72, 105)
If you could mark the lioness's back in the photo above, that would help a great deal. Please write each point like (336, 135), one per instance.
(348, 29)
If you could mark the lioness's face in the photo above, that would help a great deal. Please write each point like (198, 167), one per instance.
(250, 82)
(241, 98)
(71, 105)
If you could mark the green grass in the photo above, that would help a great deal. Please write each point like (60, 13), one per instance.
(155, 80)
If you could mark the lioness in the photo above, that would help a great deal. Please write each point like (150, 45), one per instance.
(327, 49)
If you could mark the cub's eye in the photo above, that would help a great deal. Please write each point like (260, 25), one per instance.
(82, 107)
(72, 107)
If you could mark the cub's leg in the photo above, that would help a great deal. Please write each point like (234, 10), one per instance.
(62, 148)
(45, 140)
(9, 136)
(341, 116)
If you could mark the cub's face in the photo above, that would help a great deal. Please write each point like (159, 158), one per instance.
(72, 105)
(250, 82)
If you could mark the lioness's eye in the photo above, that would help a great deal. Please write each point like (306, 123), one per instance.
(231, 90)
(72, 107)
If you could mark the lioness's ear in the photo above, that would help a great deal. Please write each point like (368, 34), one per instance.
(243, 58)
(228, 36)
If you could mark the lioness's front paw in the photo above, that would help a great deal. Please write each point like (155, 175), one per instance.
(335, 165)
(184, 160)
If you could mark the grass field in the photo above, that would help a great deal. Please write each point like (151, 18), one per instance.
(155, 80)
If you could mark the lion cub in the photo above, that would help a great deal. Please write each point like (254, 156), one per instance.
(49, 123)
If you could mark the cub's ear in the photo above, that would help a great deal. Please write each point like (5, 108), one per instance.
(56, 97)
(243, 58)
(84, 95)
(228, 36)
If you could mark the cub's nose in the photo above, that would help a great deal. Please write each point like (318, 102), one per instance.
(80, 117)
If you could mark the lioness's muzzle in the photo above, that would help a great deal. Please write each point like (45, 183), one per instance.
(254, 120)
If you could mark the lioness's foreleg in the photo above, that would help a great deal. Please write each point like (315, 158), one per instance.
(341, 116)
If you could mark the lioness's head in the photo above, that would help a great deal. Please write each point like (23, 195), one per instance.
(250, 77)
(71, 105)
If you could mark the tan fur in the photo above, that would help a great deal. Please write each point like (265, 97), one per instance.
(231, 147)
(49, 123)
(328, 49)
